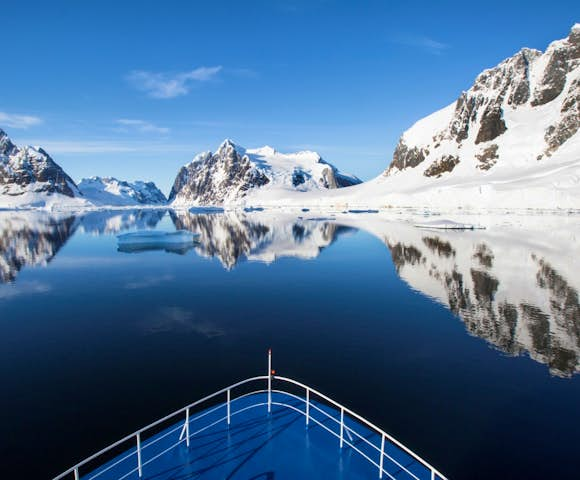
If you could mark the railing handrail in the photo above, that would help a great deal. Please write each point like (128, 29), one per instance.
(136, 434)
(155, 423)
(364, 420)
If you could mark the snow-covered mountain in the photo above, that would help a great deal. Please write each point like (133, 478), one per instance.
(112, 192)
(234, 173)
(512, 140)
(515, 128)
(28, 176)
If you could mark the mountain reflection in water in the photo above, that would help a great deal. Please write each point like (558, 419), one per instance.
(515, 294)
(30, 239)
(233, 237)
(512, 296)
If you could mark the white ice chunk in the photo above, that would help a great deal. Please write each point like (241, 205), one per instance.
(156, 238)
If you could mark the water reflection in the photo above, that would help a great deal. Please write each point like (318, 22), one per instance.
(235, 237)
(518, 295)
(31, 238)
(180, 249)
(107, 222)
(513, 298)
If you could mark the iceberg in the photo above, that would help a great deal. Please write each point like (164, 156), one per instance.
(449, 225)
(179, 241)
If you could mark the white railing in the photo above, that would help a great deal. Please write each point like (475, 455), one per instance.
(309, 407)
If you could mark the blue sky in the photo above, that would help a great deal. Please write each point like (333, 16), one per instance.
(135, 89)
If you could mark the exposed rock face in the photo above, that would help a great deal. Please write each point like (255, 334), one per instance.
(569, 123)
(445, 164)
(110, 191)
(528, 106)
(31, 170)
(554, 79)
(232, 173)
(492, 124)
(564, 59)
(405, 157)
(212, 178)
(488, 157)
(7, 148)
(482, 103)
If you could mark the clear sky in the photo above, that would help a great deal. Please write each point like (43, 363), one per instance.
(135, 89)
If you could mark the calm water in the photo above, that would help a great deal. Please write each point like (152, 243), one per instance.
(465, 346)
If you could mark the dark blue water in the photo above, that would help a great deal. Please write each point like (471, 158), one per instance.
(433, 336)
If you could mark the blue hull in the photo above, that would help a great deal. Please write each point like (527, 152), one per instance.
(262, 446)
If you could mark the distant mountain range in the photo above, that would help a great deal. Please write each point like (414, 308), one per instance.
(110, 191)
(233, 173)
(511, 140)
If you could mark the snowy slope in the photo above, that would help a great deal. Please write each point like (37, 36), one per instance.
(108, 191)
(515, 129)
(511, 140)
(234, 173)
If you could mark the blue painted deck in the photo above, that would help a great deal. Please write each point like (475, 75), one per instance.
(258, 446)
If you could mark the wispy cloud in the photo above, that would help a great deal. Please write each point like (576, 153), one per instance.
(141, 126)
(148, 282)
(170, 85)
(18, 121)
(11, 290)
(423, 42)
(92, 262)
(242, 72)
(179, 320)
(82, 146)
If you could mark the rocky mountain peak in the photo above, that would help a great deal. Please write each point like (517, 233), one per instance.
(6, 145)
(229, 149)
(233, 173)
(31, 170)
(562, 57)
(524, 109)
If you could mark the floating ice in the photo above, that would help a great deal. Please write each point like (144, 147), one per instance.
(444, 224)
(180, 240)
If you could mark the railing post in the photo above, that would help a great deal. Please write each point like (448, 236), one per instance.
(382, 455)
(341, 426)
(269, 380)
(187, 426)
(77, 474)
(229, 398)
(307, 406)
(139, 465)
